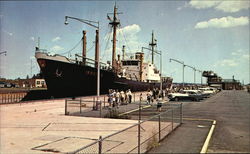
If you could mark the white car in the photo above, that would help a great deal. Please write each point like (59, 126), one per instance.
(189, 95)
(197, 92)
(207, 90)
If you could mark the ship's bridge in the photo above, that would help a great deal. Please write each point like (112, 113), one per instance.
(131, 69)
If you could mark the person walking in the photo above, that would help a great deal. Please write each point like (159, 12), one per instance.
(129, 96)
(154, 93)
(148, 97)
(117, 98)
(122, 97)
(113, 98)
(159, 105)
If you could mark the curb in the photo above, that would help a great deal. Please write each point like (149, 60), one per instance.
(205, 145)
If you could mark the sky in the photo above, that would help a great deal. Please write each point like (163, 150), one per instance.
(207, 35)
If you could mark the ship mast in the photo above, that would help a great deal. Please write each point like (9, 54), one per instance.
(152, 44)
(115, 22)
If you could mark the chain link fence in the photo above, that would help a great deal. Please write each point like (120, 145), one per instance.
(79, 106)
(140, 137)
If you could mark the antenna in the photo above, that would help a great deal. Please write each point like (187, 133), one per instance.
(38, 42)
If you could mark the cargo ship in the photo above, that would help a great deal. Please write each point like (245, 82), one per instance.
(67, 77)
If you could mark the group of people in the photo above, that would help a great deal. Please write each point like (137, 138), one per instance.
(116, 98)
(155, 94)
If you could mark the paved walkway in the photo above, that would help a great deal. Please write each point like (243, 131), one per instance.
(232, 132)
(42, 127)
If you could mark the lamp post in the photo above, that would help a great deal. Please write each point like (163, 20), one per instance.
(94, 24)
(183, 66)
(201, 75)
(5, 53)
(193, 69)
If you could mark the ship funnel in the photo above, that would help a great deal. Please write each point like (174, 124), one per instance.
(84, 45)
(96, 48)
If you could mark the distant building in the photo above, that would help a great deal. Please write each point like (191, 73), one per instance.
(32, 83)
(226, 84)
(40, 83)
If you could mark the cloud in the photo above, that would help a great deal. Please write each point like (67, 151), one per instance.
(226, 62)
(232, 6)
(225, 6)
(9, 33)
(32, 57)
(130, 29)
(126, 36)
(237, 53)
(56, 48)
(56, 39)
(245, 56)
(239, 57)
(224, 22)
(32, 38)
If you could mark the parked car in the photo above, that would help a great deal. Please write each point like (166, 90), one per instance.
(8, 85)
(207, 90)
(2, 84)
(198, 92)
(185, 96)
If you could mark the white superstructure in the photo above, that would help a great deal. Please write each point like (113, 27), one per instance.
(131, 69)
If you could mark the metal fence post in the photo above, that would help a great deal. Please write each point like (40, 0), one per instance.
(134, 97)
(104, 100)
(100, 105)
(80, 105)
(100, 145)
(66, 107)
(139, 128)
(181, 113)
(172, 119)
(159, 127)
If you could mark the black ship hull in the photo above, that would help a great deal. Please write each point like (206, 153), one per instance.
(71, 79)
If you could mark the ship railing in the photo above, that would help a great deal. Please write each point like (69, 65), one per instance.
(12, 97)
(90, 62)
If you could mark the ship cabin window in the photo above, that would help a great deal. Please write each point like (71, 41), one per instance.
(133, 63)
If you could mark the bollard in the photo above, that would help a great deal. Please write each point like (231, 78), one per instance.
(100, 145)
